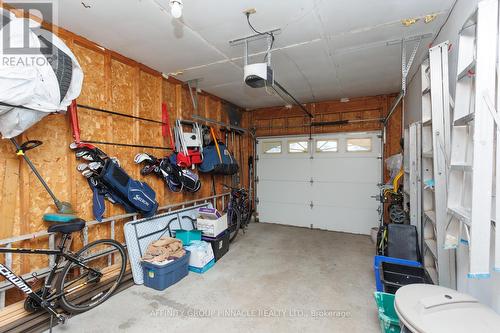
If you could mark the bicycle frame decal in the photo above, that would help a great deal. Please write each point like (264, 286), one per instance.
(14, 279)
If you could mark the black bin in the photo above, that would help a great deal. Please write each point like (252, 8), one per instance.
(394, 276)
(220, 244)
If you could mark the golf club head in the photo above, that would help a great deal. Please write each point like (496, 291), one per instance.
(110, 198)
(147, 169)
(95, 166)
(94, 181)
(88, 157)
(82, 166)
(84, 153)
(141, 157)
(116, 160)
(88, 173)
(80, 153)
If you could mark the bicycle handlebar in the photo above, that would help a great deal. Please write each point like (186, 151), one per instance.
(233, 188)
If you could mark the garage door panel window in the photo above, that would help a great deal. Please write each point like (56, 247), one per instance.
(273, 147)
(359, 145)
(327, 146)
(298, 147)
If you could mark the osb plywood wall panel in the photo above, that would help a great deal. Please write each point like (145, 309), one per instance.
(278, 121)
(394, 134)
(111, 82)
(93, 125)
(150, 95)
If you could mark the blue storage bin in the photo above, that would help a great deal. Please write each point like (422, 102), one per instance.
(160, 277)
(205, 268)
(187, 236)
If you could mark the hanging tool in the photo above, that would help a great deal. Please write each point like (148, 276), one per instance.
(64, 208)
(216, 143)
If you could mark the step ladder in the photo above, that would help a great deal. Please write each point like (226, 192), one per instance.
(412, 166)
(436, 115)
(471, 163)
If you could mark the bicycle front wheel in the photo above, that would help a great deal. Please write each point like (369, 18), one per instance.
(87, 283)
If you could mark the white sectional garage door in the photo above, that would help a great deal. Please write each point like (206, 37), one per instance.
(326, 183)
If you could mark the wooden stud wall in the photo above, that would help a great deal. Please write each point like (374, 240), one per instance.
(116, 83)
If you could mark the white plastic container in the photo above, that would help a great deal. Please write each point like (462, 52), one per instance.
(212, 228)
(426, 308)
(201, 253)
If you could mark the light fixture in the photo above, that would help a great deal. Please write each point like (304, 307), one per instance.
(176, 8)
(429, 18)
(409, 21)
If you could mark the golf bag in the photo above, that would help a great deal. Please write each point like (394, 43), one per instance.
(175, 177)
(217, 159)
(109, 181)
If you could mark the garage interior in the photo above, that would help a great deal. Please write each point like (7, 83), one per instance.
(264, 166)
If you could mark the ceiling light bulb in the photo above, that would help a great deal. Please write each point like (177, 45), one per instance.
(176, 8)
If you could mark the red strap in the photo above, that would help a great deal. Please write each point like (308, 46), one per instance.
(75, 126)
(165, 128)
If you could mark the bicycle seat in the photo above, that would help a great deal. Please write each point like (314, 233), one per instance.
(68, 227)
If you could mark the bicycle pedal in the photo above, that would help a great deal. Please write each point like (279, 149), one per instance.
(62, 319)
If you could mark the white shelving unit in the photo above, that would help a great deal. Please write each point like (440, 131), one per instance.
(472, 152)
(414, 178)
(406, 169)
(428, 224)
(435, 152)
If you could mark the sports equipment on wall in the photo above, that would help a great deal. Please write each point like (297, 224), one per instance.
(109, 181)
(176, 178)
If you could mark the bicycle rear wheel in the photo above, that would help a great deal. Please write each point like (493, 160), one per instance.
(234, 222)
(82, 288)
(246, 213)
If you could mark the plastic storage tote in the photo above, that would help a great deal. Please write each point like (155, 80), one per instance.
(160, 277)
(389, 322)
(201, 254)
(203, 269)
(394, 276)
(220, 244)
(187, 236)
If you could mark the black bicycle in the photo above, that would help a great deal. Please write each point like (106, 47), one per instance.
(77, 282)
(238, 211)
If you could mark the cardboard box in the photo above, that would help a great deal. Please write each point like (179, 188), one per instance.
(212, 228)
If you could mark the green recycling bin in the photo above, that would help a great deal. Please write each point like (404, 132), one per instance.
(389, 322)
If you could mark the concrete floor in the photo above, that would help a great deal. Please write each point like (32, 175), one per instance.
(273, 279)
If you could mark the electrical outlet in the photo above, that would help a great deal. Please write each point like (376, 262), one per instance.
(249, 11)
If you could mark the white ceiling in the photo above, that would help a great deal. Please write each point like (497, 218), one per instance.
(328, 49)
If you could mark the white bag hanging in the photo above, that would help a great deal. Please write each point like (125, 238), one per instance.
(31, 89)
